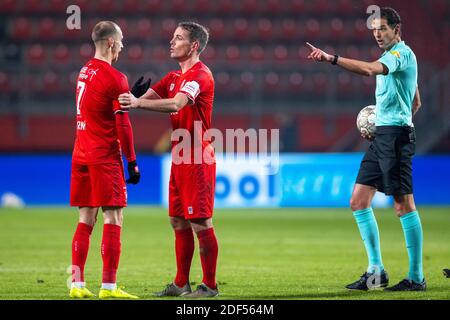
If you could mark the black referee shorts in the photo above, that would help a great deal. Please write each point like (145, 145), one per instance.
(387, 164)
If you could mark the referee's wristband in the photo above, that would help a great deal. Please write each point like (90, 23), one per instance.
(335, 59)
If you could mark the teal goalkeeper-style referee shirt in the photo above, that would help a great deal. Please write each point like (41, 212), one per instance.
(395, 91)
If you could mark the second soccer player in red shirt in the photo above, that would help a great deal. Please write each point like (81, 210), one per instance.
(188, 95)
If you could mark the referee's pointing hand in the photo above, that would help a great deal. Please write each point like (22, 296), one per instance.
(318, 55)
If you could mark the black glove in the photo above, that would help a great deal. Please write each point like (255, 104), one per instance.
(133, 172)
(140, 88)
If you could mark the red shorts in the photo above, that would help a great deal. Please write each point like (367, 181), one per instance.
(98, 185)
(191, 190)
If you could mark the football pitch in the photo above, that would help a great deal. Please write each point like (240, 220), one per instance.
(263, 253)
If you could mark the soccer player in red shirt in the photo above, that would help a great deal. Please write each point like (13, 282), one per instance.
(188, 95)
(97, 178)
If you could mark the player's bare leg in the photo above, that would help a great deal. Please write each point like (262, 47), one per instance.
(80, 249)
(208, 255)
(360, 203)
(405, 209)
(110, 250)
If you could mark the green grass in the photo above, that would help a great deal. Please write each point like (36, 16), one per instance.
(263, 253)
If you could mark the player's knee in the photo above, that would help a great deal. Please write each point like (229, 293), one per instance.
(357, 204)
(179, 223)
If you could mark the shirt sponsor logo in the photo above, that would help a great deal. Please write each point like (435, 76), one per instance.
(190, 210)
(172, 85)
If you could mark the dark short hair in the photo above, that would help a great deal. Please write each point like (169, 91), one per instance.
(104, 30)
(392, 17)
(197, 32)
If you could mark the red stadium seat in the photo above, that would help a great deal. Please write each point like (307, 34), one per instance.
(312, 28)
(61, 54)
(249, 6)
(257, 54)
(353, 52)
(223, 82)
(131, 6)
(209, 54)
(36, 54)
(178, 6)
(344, 83)
(105, 6)
(271, 83)
(5, 83)
(57, 6)
(320, 81)
(360, 30)
(247, 81)
(203, 6)
(135, 54)
(159, 53)
(297, 7)
(51, 84)
(273, 7)
(337, 30)
(241, 29)
(168, 27)
(47, 29)
(8, 6)
(345, 7)
(280, 54)
(154, 7)
(226, 6)
(296, 82)
(321, 6)
(21, 28)
(264, 29)
(289, 29)
(217, 28)
(144, 29)
(86, 52)
(33, 6)
(233, 54)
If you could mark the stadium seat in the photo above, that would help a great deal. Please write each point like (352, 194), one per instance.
(271, 83)
(8, 6)
(233, 54)
(57, 6)
(51, 84)
(360, 31)
(33, 6)
(321, 6)
(47, 29)
(257, 54)
(320, 81)
(313, 28)
(249, 7)
(61, 54)
(154, 7)
(217, 29)
(144, 29)
(159, 54)
(209, 54)
(247, 82)
(168, 27)
(344, 84)
(227, 7)
(135, 54)
(223, 82)
(273, 7)
(203, 7)
(264, 29)
(86, 52)
(131, 6)
(337, 29)
(241, 29)
(36, 54)
(345, 7)
(105, 6)
(5, 82)
(178, 6)
(296, 83)
(289, 29)
(21, 28)
(280, 54)
(297, 7)
(353, 52)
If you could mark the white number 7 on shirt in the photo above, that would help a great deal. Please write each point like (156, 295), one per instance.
(80, 92)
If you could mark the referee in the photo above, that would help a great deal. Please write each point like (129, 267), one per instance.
(387, 164)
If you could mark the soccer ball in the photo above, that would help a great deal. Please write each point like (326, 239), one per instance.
(365, 122)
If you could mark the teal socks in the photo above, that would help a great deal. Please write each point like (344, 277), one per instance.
(369, 232)
(412, 228)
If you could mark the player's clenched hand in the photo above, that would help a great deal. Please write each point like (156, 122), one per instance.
(318, 55)
(140, 88)
(128, 101)
(133, 172)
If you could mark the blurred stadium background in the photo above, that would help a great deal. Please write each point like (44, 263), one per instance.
(263, 81)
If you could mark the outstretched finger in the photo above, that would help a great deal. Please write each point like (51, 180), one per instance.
(310, 46)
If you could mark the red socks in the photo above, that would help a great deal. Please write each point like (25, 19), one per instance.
(184, 250)
(110, 252)
(208, 255)
(80, 248)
